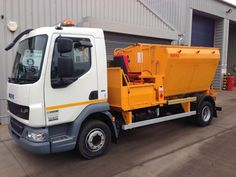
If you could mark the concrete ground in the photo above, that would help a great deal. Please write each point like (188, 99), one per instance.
(174, 148)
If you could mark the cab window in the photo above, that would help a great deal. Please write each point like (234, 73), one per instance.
(81, 57)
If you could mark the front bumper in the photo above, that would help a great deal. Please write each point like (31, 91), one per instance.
(53, 144)
(18, 131)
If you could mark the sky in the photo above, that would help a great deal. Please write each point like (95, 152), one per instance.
(231, 1)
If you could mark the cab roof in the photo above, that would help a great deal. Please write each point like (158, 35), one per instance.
(95, 32)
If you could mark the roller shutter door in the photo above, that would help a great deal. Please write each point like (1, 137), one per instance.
(202, 31)
(208, 32)
(117, 40)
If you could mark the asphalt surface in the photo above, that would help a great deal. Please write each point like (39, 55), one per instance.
(174, 148)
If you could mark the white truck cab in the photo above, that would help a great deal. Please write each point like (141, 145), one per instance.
(58, 82)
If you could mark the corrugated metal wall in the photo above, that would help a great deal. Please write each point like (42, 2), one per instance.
(115, 40)
(175, 12)
(221, 42)
(178, 13)
(3, 68)
(219, 30)
(37, 13)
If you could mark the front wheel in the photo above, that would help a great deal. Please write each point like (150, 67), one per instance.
(205, 114)
(94, 139)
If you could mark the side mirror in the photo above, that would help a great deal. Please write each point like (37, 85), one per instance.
(64, 45)
(85, 43)
(65, 67)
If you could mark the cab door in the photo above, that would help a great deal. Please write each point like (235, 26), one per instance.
(66, 97)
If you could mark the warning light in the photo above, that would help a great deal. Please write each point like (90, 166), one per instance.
(68, 22)
(161, 92)
(161, 95)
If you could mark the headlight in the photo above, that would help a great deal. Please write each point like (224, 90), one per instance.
(36, 136)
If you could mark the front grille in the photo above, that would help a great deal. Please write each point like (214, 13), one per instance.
(17, 126)
(19, 110)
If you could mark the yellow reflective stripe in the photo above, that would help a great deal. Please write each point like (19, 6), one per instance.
(182, 100)
(50, 108)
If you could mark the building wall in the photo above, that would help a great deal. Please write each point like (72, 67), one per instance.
(179, 13)
(150, 18)
(114, 40)
(123, 15)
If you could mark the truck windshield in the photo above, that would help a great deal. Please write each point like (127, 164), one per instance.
(28, 61)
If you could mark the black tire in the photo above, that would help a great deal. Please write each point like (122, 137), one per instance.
(205, 114)
(94, 139)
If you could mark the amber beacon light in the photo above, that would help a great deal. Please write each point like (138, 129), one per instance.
(68, 22)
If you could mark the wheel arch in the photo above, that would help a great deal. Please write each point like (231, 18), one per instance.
(201, 98)
(105, 117)
(99, 111)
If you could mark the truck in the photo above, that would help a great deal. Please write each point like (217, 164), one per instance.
(62, 95)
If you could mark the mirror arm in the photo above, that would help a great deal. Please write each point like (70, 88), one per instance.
(12, 44)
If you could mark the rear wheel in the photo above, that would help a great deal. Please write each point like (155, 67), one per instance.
(205, 114)
(94, 139)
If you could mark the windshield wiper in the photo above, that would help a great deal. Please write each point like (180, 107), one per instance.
(12, 79)
(17, 39)
(26, 81)
(22, 80)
